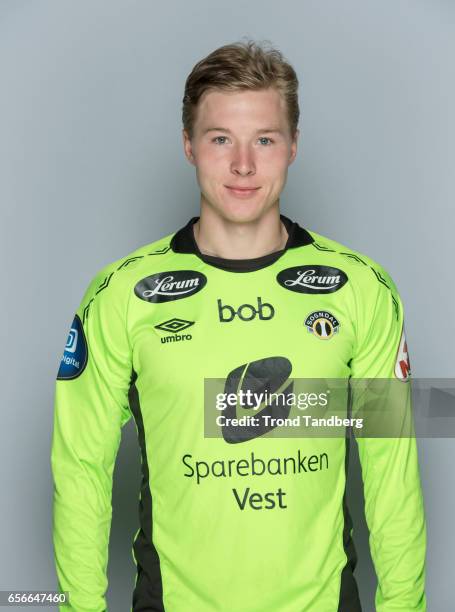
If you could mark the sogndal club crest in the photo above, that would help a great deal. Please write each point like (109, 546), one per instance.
(322, 324)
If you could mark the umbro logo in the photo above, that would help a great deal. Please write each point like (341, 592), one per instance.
(174, 326)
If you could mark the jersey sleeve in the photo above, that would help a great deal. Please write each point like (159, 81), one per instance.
(91, 406)
(394, 507)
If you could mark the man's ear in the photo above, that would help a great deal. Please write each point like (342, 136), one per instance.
(294, 147)
(188, 147)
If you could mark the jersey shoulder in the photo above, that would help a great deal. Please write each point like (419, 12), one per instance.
(361, 269)
(114, 280)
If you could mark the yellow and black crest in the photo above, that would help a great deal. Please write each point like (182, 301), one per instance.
(322, 324)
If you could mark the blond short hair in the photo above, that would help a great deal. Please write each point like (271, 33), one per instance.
(241, 66)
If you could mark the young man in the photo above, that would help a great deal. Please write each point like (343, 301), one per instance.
(250, 519)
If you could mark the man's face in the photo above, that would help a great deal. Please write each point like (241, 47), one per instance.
(241, 140)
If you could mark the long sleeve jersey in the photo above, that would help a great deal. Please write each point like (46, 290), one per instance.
(248, 520)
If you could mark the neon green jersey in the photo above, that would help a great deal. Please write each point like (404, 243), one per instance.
(253, 524)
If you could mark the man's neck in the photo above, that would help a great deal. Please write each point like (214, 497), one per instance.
(219, 237)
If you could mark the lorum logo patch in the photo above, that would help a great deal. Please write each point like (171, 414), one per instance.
(168, 286)
(312, 279)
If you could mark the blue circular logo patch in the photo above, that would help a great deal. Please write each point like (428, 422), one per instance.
(75, 355)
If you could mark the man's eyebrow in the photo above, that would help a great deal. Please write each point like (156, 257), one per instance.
(262, 131)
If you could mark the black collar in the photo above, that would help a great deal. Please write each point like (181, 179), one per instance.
(183, 241)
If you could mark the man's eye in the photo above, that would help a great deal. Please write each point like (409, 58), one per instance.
(264, 140)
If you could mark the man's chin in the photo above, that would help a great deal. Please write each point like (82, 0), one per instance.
(241, 212)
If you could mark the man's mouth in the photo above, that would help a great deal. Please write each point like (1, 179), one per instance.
(241, 191)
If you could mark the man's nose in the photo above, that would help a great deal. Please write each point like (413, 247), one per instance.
(243, 162)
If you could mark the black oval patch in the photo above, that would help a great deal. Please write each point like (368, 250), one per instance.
(264, 376)
(312, 279)
(168, 286)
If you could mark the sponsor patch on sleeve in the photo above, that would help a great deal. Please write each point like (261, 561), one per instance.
(402, 363)
(75, 354)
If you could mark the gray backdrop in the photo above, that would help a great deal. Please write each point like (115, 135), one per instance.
(92, 167)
